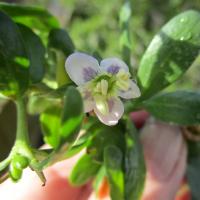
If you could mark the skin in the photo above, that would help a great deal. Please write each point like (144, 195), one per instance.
(165, 155)
(58, 187)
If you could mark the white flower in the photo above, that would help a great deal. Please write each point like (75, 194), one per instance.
(102, 85)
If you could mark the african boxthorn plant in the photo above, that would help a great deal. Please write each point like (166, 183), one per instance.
(75, 90)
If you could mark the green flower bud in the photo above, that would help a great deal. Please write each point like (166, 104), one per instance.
(20, 161)
(14, 172)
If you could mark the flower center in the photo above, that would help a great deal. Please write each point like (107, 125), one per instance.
(105, 86)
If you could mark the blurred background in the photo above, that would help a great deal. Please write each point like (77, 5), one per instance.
(94, 26)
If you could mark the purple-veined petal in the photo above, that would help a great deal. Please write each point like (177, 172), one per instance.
(113, 65)
(88, 101)
(116, 110)
(132, 92)
(81, 67)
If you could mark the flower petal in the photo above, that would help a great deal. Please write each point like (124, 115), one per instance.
(81, 67)
(101, 104)
(88, 105)
(116, 110)
(88, 101)
(113, 65)
(132, 92)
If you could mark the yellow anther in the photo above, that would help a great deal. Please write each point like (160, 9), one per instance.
(123, 75)
(123, 85)
(123, 80)
(102, 87)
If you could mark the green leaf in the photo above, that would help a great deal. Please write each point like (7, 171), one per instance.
(37, 104)
(105, 136)
(72, 115)
(44, 91)
(99, 178)
(134, 164)
(14, 61)
(50, 124)
(180, 107)
(60, 39)
(33, 17)
(82, 142)
(65, 151)
(59, 127)
(36, 51)
(113, 161)
(125, 41)
(84, 170)
(170, 54)
(193, 147)
(193, 176)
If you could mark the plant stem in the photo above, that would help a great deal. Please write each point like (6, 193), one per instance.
(22, 127)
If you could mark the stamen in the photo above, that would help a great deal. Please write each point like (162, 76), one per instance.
(104, 87)
(123, 80)
(101, 104)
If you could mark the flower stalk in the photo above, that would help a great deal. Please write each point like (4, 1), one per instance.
(22, 127)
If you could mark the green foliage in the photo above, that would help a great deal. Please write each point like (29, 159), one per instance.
(20, 161)
(17, 164)
(134, 164)
(84, 170)
(105, 136)
(181, 107)
(72, 114)
(170, 53)
(33, 17)
(38, 104)
(125, 171)
(194, 176)
(15, 172)
(33, 49)
(192, 173)
(61, 127)
(14, 72)
(113, 160)
(125, 42)
(36, 51)
(50, 124)
(59, 39)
